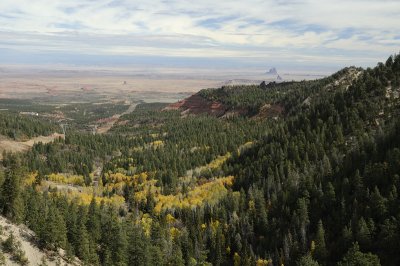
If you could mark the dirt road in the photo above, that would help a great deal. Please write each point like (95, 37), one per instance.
(104, 128)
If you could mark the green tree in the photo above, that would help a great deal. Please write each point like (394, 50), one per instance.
(354, 257)
(138, 247)
(320, 246)
(13, 205)
(307, 260)
(93, 222)
(83, 247)
(54, 232)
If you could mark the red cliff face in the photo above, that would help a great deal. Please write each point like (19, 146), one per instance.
(196, 104)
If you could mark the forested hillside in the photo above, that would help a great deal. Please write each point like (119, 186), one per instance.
(313, 184)
(24, 126)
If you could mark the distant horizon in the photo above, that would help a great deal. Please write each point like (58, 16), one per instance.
(152, 65)
(44, 60)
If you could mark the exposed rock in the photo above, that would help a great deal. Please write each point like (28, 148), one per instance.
(392, 93)
(345, 80)
(307, 101)
(28, 242)
(196, 104)
(270, 111)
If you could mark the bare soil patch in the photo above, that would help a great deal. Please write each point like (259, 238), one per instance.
(10, 145)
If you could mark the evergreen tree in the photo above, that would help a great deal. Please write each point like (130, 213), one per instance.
(93, 222)
(307, 260)
(354, 257)
(321, 252)
(138, 247)
(11, 196)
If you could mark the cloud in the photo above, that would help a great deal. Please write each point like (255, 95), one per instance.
(310, 31)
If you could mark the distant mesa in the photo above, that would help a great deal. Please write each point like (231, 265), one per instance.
(272, 71)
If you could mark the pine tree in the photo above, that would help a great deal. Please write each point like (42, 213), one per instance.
(83, 247)
(354, 257)
(114, 239)
(13, 205)
(176, 258)
(363, 235)
(71, 220)
(138, 247)
(93, 222)
(54, 234)
(307, 260)
(320, 246)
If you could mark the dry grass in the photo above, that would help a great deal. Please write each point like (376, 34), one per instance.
(20, 146)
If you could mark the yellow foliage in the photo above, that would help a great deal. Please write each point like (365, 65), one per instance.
(77, 180)
(210, 192)
(170, 219)
(244, 147)
(142, 177)
(146, 222)
(252, 205)
(118, 177)
(140, 196)
(136, 180)
(236, 259)
(174, 232)
(312, 247)
(261, 262)
(30, 179)
(215, 164)
(142, 186)
(85, 198)
(117, 187)
(214, 225)
(157, 208)
(157, 143)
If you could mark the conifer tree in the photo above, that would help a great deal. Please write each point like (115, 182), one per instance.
(320, 246)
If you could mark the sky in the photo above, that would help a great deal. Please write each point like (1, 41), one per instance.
(315, 34)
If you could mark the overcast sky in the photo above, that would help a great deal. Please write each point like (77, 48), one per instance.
(246, 33)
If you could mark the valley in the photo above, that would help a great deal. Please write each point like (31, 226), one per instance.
(247, 174)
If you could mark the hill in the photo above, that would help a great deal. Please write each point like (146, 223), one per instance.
(252, 100)
(292, 173)
(19, 248)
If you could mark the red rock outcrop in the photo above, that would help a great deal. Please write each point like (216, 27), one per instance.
(196, 104)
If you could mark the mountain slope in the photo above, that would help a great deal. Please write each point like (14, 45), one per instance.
(327, 176)
(26, 240)
(317, 185)
(252, 100)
